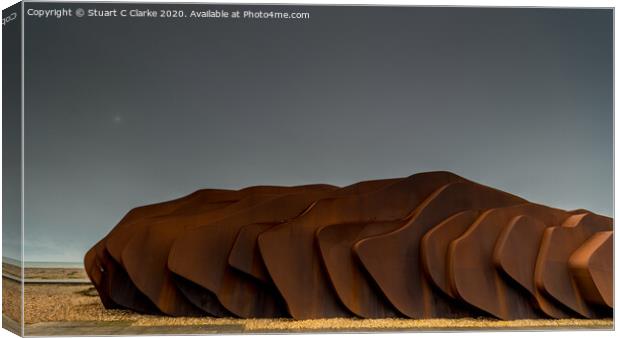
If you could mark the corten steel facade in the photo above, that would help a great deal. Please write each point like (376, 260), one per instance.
(431, 245)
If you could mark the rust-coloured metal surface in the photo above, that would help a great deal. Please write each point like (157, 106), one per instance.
(432, 245)
(113, 285)
(393, 260)
(356, 291)
(201, 254)
(523, 235)
(95, 263)
(552, 274)
(158, 230)
(245, 255)
(592, 270)
(121, 289)
(140, 217)
(154, 279)
(241, 286)
(290, 252)
(473, 273)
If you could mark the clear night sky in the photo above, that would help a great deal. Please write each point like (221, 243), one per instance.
(121, 113)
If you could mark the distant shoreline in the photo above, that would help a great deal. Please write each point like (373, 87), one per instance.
(66, 265)
(45, 272)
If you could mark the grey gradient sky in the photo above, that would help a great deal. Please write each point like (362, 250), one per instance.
(121, 113)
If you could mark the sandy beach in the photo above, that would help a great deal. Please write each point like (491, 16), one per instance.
(75, 309)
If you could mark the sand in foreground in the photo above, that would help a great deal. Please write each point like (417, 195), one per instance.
(75, 309)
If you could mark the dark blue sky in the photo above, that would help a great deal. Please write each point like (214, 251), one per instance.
(121, 112)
